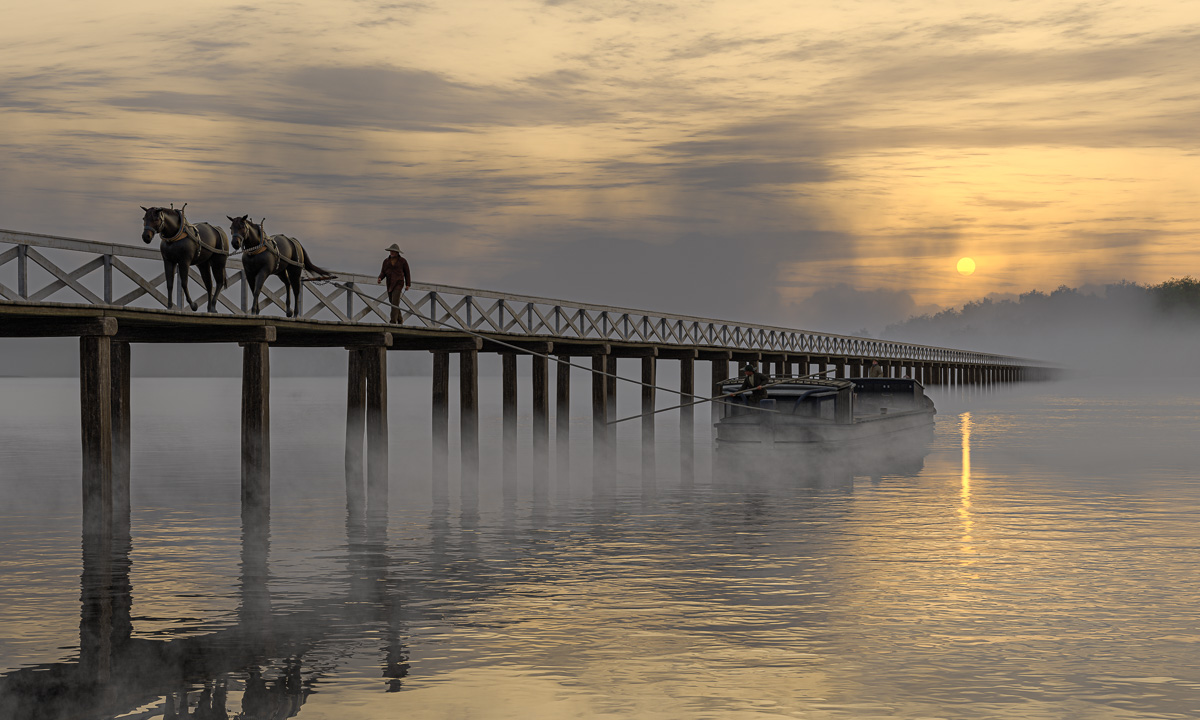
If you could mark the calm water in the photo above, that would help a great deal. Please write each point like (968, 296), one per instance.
(1039, 562)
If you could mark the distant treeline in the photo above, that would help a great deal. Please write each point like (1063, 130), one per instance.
(1175, 299)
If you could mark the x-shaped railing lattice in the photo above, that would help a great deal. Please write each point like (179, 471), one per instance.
(359, 299)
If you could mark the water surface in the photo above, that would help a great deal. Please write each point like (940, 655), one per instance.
(1038, 562)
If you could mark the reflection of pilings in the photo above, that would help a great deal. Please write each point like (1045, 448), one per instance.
(256, 423)
(468, 391)
(356, 428)
(541, 427)
(562, 421)
(96, 607)
(105, 623)
(508, 363)
(649, 380)
(375, 366)
(441, 427)
(254, 610)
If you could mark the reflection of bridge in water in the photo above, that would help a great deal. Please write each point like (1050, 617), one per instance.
(117, 673)
(209, 675)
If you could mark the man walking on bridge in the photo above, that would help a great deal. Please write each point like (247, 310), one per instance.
(395, 270)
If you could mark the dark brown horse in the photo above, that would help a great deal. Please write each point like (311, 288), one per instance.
(263, 256)
(185, 244)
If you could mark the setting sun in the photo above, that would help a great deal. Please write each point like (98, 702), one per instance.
(966, 266)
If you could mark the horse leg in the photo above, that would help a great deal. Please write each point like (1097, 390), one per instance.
(298, 284)
(184, 271)
(170, 272)
(206, 276)
(292, 280)
(218, 271)
(256, 287)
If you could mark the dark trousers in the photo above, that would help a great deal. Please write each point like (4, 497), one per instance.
(395, 297)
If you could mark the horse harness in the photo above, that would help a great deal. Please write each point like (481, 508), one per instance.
(268, 244)
(188, 230)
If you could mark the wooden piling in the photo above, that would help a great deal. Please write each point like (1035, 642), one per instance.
(256, 424)
(121, 435)
(541, 428)
(375, 368)
(649, 379)
(356, 429)
(441, 427)
(719, 373)
(508, 377)
(468, 389)
(687, 421)
(96, 429)
(610, 405)
(599, 420)
(562, 421)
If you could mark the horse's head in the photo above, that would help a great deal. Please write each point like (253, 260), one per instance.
(244, 231)
(152, 223)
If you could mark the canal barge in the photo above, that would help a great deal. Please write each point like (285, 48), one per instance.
(825, 418)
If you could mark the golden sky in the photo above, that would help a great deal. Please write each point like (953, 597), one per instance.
(723, 158)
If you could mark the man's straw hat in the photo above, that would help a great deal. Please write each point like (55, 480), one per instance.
(395, 248)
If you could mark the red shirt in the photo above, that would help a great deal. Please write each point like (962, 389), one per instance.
(395, 269)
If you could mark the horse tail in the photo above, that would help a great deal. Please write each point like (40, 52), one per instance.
(313, 268)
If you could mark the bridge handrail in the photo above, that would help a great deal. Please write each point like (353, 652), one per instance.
(666, 328)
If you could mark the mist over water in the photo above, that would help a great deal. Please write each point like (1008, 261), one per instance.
(1038, 561)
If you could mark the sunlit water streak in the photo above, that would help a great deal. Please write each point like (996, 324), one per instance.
(1040, 564)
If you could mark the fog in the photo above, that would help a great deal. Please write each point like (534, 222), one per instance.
(1114, 330)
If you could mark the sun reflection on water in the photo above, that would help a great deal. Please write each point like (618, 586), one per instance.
(964, 508)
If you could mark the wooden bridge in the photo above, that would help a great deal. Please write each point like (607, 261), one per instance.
(112, 297)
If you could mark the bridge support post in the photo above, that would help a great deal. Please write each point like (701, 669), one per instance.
(720, 371)
(468, 390)
(562, 421)
(541, 428)
(441, 428)
(840, 364)
(610, 404)
(96, 430)
(599, 422)
(356, 430)
(649, 467)
(256, 425)
(375, 366)
(687, 421)
(508, 364)
(120, 356)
